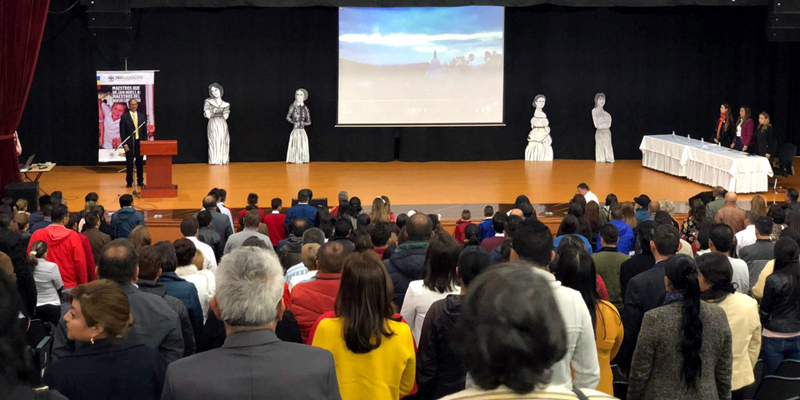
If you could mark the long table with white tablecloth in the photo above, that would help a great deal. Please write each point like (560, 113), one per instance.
(706, 163)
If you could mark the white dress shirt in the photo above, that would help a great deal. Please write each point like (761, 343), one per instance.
(589, 196)
(745, 237)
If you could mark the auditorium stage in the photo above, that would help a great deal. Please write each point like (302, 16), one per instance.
(406, 184)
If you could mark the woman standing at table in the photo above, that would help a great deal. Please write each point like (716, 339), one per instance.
(763, 136)
(724, 128)
(744, 130)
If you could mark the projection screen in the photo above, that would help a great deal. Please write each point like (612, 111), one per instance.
(421, 66)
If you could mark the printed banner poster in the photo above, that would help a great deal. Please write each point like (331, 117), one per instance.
(114, 90)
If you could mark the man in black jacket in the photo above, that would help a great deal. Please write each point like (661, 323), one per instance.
(133, 125)
(405, 264)
(646, 291)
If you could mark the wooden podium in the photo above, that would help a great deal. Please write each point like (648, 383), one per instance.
(159, 168)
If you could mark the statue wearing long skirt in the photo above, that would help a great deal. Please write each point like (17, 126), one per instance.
(603, 149)
(299, 117)
(539, 141)
(217, 112)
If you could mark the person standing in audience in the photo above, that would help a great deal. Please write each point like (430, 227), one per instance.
(407, 262)
(498, 227)
(317, 296)
(46, 220)
(714, 206)
(762, 247)
(126, 218)
(222, 196)
(381, 236)
(379, 211)
(204, 281)
(642, 212)
(257, 364)
(219, 222)
(697, 219)
(209, 236)
(189, 230)
(747, 236)
(485, 228)
(48, 284)
(584, 191)
(275, 222)
(309, 259)
(461, 224)
(252, 202)
(372, 348)
(343, 230)
(759, 204)
(440, 371)
(792, 204)
(646, 291)
(65, 248)
(663, 218)
(140, 237)
(714, 274)
(780, 308)
(609, 263)
(293, 261)
(302, 210)
(97, 239)
(721, 240)
(702, 367)
(575, 269)
(147, 281)
(626, 235)
(109, 365)
(570, 226)
(731, 214)
(506, 349)
(778, 216)
(439, 280)
(178, 287)
(251, 222)
(532, 242)
(763, 139)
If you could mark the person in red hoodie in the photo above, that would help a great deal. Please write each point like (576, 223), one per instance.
(461, 225)
(275, 222)
(316, 297)
(72, 223)
(65, 248)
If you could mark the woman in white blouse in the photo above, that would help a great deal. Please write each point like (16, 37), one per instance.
(439, 279)
(203, 280)
(48, 285)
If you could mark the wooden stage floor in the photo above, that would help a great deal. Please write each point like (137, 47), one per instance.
(433, 183)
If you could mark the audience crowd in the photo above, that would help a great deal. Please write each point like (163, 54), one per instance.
(620, 301)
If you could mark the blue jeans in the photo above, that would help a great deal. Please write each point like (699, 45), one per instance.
(774, 351)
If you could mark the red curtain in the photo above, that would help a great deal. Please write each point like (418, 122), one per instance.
(21, 29)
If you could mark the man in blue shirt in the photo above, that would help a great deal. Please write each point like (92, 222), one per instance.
(485, 229)
(302, 210)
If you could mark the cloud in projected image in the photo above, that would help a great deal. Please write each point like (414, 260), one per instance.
(395, 36)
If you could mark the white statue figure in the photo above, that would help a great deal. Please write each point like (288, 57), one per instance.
(217, 112)
(603, 150)
(299, 117)
(539, 141)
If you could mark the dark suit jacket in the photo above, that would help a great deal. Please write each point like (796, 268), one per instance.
(222, 225)
(213, 239)
(645, 292)
(254, 365)
(632, 267)
(763, 142)
(109, 370)
(126, 127)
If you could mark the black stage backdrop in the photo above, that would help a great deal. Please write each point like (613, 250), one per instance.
(662, 69)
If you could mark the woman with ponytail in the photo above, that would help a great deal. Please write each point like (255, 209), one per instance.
(48, 284)
(714, 274)
(780, 307)
(684, 346)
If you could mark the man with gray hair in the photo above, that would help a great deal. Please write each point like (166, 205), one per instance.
(256, 364)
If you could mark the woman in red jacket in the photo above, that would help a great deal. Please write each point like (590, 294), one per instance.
(744, 130)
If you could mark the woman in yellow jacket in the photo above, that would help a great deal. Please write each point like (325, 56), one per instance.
(373, 349)
(714, 276)
(575, 269)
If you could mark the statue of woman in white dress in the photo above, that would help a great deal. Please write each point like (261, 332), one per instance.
(217, 112)
(299, 117)
(539, 142)
(603, 150)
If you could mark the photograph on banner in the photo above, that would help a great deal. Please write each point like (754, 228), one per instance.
(114, 90)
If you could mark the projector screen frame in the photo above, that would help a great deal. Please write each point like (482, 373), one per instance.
(502, 122)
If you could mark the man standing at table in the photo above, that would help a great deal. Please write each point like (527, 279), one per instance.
(133, 125)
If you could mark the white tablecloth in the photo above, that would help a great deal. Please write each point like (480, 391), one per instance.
(706, 163)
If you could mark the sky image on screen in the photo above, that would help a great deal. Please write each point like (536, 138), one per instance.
(421, 65)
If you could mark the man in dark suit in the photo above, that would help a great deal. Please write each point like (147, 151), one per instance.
(253, 363)
(219, 221)
(302, 210)
(133, 123)
(646, 291)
